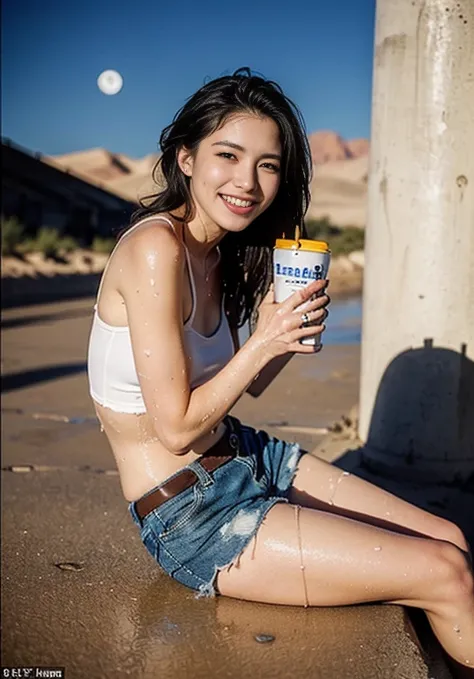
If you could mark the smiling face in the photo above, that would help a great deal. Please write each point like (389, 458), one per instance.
(235, 172)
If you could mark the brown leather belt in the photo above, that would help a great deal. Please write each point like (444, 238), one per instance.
(220, 453)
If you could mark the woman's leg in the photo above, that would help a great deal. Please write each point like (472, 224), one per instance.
(303, 556)
(320, 485)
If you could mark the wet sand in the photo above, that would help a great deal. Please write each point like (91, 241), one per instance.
(78, 588)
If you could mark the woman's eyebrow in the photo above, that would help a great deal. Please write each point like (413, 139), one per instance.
(241, 148)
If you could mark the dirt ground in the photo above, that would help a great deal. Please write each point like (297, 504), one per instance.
(79, 590)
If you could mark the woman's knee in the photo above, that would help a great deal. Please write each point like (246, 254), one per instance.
(453, 582)
(450, 532)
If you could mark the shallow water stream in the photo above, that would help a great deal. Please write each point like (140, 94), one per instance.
(343, 325)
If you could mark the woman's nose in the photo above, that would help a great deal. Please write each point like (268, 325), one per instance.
(246, 178)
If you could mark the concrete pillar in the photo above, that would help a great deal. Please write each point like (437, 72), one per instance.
(417, 375)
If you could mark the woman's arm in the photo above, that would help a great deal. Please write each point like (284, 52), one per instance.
(267, 374)
(152, 287)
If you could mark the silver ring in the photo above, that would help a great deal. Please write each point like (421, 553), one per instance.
(305, 318)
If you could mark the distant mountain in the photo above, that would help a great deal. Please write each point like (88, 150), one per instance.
(128, 177)
(338, 189)
(328, 146)
(358, 147)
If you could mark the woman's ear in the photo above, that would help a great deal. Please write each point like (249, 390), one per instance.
(185, 161)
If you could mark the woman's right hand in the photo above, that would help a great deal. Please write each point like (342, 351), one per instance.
(280, 325)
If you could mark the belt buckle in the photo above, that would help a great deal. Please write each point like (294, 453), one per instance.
(234, 442)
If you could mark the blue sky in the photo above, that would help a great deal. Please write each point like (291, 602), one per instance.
(53, 51)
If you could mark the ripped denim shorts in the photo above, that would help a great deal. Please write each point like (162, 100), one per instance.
(204, 528)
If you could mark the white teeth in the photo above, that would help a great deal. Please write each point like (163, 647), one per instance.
(237, 201)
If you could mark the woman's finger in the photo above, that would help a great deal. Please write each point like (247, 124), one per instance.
(311, 316)
(302, 332)
(270, 296)
(298, 348)
(314, 303)
(301, 296)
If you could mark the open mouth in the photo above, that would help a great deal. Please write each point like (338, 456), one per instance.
(237, 205)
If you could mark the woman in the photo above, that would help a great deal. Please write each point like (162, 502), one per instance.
(219, 505)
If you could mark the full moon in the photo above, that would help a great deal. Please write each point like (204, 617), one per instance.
(110, 82)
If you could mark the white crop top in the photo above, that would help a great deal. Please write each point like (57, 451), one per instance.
(113, 379)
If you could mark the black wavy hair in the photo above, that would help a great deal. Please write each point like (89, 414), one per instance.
(246, 256)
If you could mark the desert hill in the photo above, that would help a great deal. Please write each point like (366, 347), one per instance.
(338, 189)
(328, 146)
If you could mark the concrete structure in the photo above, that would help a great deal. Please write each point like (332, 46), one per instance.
(417, 379)
(40, 194)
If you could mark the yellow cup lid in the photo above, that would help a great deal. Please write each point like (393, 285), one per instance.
(302, 244)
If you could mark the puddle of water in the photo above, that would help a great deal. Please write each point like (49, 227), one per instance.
(344, 322)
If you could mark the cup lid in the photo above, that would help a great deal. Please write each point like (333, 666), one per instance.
(302, 244)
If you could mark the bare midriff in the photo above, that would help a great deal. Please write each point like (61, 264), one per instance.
(142, 460)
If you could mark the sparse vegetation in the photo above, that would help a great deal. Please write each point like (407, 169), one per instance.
(12, 235)
(68, 244)
(342, 240)
(49, 242)
(103, 245)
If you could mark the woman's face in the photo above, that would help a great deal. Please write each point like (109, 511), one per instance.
(235, 173)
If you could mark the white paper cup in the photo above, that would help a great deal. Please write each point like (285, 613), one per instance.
(295, 265)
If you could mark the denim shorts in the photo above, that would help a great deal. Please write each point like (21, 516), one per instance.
(204, 529)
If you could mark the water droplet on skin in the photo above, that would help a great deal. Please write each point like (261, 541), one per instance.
(457, 629)
(147, 352)
(151, 260)
(152, 282)
(101, 428)
(377, 549)
(156, 294)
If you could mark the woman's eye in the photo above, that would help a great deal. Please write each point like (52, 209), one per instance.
(226, 154)
(271, 166)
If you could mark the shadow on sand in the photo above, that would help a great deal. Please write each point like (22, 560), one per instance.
(422, 430)
(27, 378)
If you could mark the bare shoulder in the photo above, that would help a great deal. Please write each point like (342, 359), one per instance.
(152, 234)
(153, 245)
